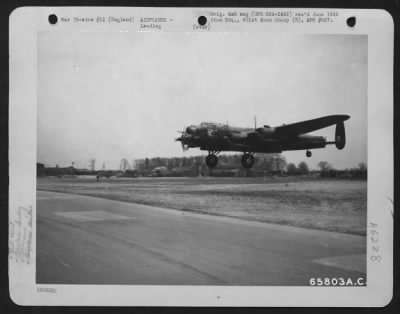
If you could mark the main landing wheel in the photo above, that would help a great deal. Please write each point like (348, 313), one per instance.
(308, 153)
(247, 161)
(211, 160)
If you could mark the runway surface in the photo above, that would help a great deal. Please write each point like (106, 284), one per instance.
(88, 240)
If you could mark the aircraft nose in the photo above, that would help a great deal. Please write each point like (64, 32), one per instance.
(190, 129)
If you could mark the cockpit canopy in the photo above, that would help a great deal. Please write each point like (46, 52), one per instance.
(212, 125)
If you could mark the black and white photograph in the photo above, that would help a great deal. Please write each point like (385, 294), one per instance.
(273, 205)
(198, 157)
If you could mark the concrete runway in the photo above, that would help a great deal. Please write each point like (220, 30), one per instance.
(88, 240)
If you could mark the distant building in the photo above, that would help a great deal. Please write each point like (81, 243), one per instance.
(160, 172)
(184, 171)
(40, 170)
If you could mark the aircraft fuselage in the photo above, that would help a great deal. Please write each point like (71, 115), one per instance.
(226, 138)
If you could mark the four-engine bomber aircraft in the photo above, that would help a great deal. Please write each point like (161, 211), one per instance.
(217, 137)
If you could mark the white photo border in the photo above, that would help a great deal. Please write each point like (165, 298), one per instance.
(26, 22)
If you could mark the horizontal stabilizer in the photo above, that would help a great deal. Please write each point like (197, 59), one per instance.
(310, 125)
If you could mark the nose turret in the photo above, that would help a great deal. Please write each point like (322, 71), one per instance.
(191, 129)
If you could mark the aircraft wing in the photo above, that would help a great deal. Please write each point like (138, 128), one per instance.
(303, 127)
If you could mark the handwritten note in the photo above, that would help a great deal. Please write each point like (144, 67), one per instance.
(20, 236)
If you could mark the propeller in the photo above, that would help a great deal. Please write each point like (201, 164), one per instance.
(181, 139)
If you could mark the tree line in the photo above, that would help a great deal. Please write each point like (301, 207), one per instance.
(327, 170)
(195, 165)
(268, 162)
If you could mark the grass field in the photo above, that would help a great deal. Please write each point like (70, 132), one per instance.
(333, 205)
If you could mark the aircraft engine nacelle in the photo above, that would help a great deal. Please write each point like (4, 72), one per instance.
(340, 136)
(266, 131)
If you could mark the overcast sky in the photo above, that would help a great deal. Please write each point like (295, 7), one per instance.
(124, 94)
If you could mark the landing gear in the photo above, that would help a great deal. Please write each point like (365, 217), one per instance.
(308, 153)
(212, 159)
(247, 160)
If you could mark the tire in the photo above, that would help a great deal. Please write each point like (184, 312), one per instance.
(247, 161)
(211, 160)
